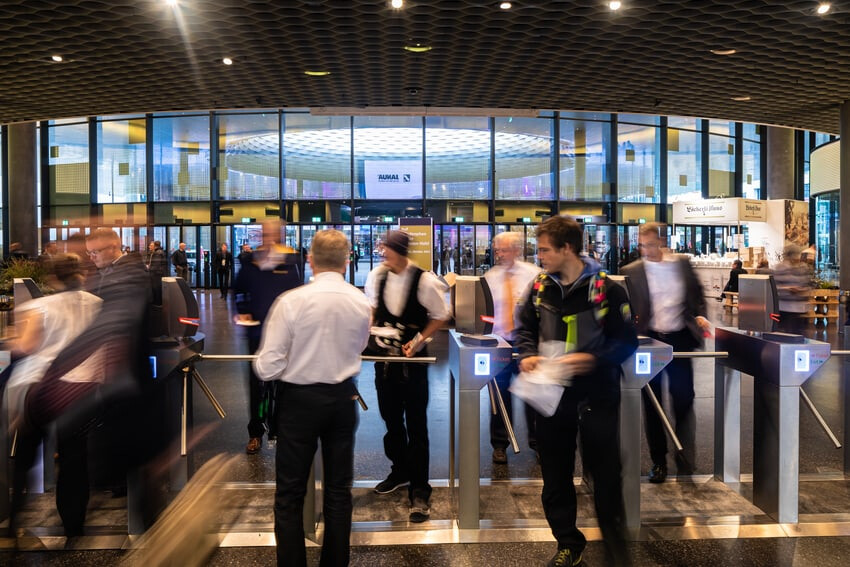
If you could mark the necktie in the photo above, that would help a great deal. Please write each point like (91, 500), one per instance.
(508, 304)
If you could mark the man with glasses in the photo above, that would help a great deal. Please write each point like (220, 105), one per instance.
(668, 305)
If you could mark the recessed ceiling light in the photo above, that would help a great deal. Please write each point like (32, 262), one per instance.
(741, 98)
(418, 48)
(317, 73)
(724, 51)
(227, 61)
(171, 2)
(505, 5)
(823, 8)
(57, 58)
(615, 5)
(397, 4)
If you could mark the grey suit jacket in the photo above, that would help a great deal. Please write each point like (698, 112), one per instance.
(641, 302)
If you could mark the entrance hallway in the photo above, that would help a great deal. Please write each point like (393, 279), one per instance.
(694, 521)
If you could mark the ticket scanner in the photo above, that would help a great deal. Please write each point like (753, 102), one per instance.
(779, 364)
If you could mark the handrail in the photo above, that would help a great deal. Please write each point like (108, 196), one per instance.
(365, 358)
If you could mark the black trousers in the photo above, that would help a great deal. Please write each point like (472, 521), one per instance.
(597, 424)
(403, 402)
(223, 281)
(498, 432)
(308, 414)
(680, 379)
(262, 407)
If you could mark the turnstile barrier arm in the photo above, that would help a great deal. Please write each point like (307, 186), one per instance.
(666, 422)
(500, 402)
(824, 425)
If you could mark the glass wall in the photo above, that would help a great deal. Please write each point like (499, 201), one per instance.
(684, 159)
(583, 160)
(721, 159)
(638, 152)
(121, 163)
(751, 150)
(316, 157)
(181, 158)
(249, 156)
(388, 157)
(457, 157)
(68, 162)
(523, 165)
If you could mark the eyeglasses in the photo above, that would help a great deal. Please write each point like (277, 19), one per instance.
(96, 251)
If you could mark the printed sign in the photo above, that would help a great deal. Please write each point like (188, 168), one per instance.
(421, 232)
(393, 179)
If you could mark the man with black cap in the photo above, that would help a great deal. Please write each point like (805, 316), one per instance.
(409, 307)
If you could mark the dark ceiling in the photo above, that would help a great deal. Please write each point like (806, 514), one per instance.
(650, 57)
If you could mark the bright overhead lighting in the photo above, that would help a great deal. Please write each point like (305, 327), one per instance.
(397, 4)
(723, 51)
(171, 2)
(741, 98)
(824, 7)
(505, 5)
(615, 5)
(57, 58)
(418, 48)
(317, 73)
(227, 61)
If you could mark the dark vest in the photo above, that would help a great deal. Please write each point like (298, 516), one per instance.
(413, 318)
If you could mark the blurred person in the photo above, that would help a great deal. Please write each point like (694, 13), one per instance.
(509, 281)
(47, 255)
(410, 303)
(156, 266)
(574, 311)
(96, 389)
(668, 305)
(809, 256)
(269, 273)
(17, 252)
(794, 284)
(763, 267)
(311, 346)
(244, 255)
(223, 262)
(732, 284)
(181, 262)
(76, 244)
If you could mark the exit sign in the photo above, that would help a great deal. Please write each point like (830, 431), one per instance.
(588, 219)
(64, 222)
(388, 219)
(526, 219)
(316, 219)
(246, 220)
(458, 219)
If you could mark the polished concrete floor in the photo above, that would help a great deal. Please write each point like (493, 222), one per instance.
(693, 521)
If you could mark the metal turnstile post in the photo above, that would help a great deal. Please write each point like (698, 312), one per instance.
(470, 369)
(647, 362)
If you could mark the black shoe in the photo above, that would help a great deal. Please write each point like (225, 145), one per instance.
(500, 457)
(420, 511)
(658, 474)
(565, 558)
(390, 485)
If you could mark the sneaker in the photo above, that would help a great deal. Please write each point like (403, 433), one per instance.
(565, 558)
(254, 445)
(658, 474)
(390, 485)
(419, 511)
(500, 457)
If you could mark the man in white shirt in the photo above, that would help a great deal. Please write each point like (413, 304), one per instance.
(509, 282)
(311, 343)
(410, 302)
(668, 305)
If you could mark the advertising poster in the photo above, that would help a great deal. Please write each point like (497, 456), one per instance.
(421, 232)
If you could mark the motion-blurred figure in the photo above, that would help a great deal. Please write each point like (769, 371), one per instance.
(794, 284)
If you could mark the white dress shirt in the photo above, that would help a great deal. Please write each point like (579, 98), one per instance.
(314, 334)
(666, 294)
(431, 293)
(521, 275)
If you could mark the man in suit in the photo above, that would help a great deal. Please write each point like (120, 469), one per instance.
(668, 304)
(224, 265)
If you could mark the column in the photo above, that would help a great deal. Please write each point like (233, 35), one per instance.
(844, 206)
(780, 163)
(23, 185)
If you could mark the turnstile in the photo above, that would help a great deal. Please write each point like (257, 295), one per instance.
(648, 361)
(470, 369)
(778, 369)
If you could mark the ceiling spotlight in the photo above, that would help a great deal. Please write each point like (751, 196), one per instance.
(171, 2)
(823, 8)
(615, 5)
(418, 48)
(227, 61)
(57, 58)
(741, 98)
(317, 73)
(397, 4)
(723, 51)
(505, 5)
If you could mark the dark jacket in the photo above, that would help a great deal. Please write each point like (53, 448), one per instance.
(157, 266)
(227, 257)
(732, 284)
(178, 258)
(606, 332)
(255, 290)
(641, 302)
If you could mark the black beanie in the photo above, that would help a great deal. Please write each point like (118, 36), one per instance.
(397, 241)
